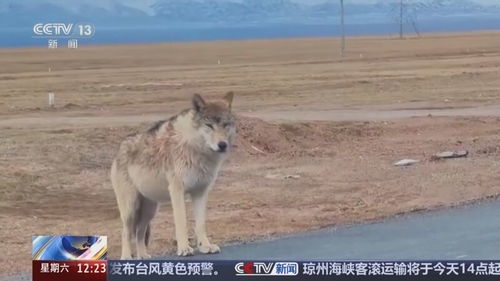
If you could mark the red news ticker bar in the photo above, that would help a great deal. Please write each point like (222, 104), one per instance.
(75, 270)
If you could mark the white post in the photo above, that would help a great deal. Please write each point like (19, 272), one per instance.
(51, 99)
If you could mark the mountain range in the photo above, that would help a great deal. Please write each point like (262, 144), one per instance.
(21, 13)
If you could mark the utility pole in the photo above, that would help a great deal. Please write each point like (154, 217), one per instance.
(401, 19)
(342, 27)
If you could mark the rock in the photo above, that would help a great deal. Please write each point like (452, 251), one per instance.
(70, 105)
(272, 176)
(451, 154)
(275, 176)
(406, 162)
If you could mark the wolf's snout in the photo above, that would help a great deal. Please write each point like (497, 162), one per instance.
(222, 146)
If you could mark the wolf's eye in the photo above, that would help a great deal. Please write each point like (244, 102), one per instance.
(226, 125)
(209, 125)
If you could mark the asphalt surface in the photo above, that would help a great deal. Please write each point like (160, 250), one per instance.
(465, 232)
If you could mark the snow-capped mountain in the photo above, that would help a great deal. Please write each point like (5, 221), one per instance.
(20, 12)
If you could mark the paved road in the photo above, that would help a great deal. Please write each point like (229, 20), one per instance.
(372, 114)
(67, 120)
(465, 232)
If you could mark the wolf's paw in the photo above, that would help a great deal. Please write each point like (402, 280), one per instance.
(209, 249)
(185, 251)
(143, 256)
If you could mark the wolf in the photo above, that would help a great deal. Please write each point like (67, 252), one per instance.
(174, 158)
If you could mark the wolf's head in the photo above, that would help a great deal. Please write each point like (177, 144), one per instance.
(215, 122)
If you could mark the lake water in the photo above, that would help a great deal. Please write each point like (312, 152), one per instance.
(17, 37)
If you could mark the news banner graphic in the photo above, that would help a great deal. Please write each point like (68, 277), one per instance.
(82, 258)
(156, 270)
(68, 32)
(69, 258)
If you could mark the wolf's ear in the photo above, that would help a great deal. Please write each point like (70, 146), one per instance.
(228, 98)
(198, 103)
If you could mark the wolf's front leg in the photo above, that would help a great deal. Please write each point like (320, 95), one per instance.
(176, 191)
(200, 206)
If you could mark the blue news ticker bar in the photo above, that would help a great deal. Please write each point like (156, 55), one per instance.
(153, 270)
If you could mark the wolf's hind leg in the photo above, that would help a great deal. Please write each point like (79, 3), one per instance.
(147, 211)
(128, 199)
(129, 213)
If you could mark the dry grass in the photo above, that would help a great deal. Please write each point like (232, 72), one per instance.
(287, 73)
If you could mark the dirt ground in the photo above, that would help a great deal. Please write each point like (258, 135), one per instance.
(54, 162)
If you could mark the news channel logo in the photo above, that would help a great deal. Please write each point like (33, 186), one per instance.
(67, 247)
(70, 32)
(250, 268)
